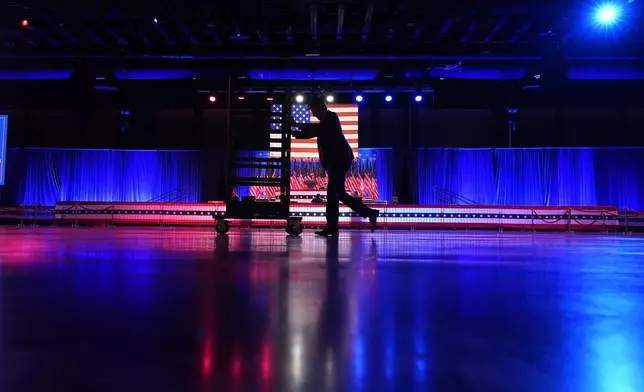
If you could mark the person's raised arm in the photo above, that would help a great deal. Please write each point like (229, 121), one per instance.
(306, 131)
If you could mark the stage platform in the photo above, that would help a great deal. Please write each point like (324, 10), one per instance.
(392, 216)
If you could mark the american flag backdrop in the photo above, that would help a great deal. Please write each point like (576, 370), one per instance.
(308, 148)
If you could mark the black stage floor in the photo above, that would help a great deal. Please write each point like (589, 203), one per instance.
(177, 309)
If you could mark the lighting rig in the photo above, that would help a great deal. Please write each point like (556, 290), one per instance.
(340, 92)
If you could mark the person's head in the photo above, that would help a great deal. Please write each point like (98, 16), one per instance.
(318, 107)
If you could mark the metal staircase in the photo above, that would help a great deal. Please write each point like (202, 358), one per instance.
(442, 195)
(178, 194)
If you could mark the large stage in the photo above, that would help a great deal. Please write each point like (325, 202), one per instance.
(392, 216)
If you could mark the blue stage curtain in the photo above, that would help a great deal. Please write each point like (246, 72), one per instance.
(536, 176)
(522, 177)
(45, 176)
(384, 170)
(468, 172)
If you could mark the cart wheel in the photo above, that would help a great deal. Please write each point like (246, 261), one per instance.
(294, 227)
(222, 226)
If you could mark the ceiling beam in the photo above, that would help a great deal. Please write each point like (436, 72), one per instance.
(188, 33)
(521, 30)
(496, 28)
(314, 21)
(340, 29)
(119, 40)
(445, 28)
(145, 39)
(289, 34)
(22, 37)
(469, 31)
(93, 36)
(212, 29)
(366, 28)
(162, 32)
(66, 34)
(44, 36)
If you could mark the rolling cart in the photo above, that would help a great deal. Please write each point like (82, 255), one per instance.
(279, 161)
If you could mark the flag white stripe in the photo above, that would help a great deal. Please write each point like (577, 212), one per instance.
(350, 109)
(295, 146)
(344, 118)
(277, 136)
(352, 127)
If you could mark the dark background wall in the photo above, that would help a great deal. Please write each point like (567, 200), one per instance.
(182, 128)
(172, 115)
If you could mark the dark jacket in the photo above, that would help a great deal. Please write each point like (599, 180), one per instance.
(333, 148)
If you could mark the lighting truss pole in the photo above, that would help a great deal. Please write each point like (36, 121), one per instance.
(512, 124)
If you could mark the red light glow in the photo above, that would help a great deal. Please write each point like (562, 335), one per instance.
(212, 98)
(25, 23)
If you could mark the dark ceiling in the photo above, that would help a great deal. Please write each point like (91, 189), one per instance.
(288, 28)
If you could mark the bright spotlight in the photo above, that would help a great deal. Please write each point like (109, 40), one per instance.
(299, 98)
(359, 98)
(155, 20)
(607, 14)
(25, 23)
(329, 98)
(418, 98)
(388, 98)
(212, 98)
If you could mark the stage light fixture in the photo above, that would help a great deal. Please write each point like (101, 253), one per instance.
(359, 98)
(212, 98)
(241, 98)
(607, 14)
(388, 98)
(24, 23)
(155, 20)
(299, 98)
(269, 99)
(330, 98)
(418, 98)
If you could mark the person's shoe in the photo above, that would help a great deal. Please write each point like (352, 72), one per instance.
(327, 232)
(373, 219)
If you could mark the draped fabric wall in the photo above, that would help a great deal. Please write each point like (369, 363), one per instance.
(539, 176)
(45, 176)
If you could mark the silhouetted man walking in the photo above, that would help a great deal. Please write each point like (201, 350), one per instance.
(336, 158)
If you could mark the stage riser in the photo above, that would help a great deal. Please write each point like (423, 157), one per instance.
(392, 216)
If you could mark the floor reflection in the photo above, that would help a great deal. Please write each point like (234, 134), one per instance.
(182, 309)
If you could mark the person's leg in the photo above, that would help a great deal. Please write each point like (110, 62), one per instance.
(335, 185)
(356, 204)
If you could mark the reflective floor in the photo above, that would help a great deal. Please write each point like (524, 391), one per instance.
(175, 309)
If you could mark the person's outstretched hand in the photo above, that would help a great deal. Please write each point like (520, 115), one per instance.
(290, 120)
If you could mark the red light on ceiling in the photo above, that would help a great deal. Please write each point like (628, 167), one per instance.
(269, 98)
(24, 23)
(241, 98)
(212, 98)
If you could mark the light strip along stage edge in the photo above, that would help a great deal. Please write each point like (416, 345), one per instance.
(392, 216)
